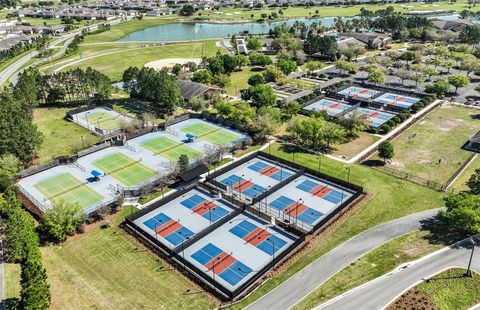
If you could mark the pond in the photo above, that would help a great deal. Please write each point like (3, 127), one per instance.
(201, 31)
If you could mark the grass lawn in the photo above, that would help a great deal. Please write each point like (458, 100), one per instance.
(460, 183)
(355, 146)
(448, 290)
(239, 79)
(220, 163)
(113, 65)
(154, 195)
(119, 31)
(329, 11)
(107, 269)
(11, 283)
(372, 265)
(61, 137)
(439, 136)
(387, 201)
(253, 148)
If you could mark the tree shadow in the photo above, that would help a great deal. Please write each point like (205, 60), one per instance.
(475, 116)
(257, 69)
(373, 163)
(290, 149)
(441, 233)
(10, 303)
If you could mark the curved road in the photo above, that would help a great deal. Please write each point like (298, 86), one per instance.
(308, 279)
(380, 292)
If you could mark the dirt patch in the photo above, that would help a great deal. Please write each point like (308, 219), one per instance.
(170, 62)
(412, 299)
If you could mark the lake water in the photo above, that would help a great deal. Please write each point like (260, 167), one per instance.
(200, 31)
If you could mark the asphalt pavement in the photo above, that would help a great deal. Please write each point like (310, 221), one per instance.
(380, 292)
(308, 279)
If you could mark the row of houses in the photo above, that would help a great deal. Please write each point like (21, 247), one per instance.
(76, 12)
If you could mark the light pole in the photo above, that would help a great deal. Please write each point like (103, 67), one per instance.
(469, 271)
(183, 250)
(273, 251)
(296, 211)
(239, 189)
(348, 173)
(83, 142)
(319, 163)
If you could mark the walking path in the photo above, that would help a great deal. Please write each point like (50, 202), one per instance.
(308, 279)
(379, 293)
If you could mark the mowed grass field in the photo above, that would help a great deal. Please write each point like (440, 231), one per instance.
(115, 63)
(372, 265)
(108, 269)
(60, 137)
(11, 284)
(461, 182)
(435, 152)
(386, 201)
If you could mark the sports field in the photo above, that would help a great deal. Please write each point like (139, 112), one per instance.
(124, 169)
(431, 149)
(69, 189)
(211, 134)
(169, 148)
(103, 120)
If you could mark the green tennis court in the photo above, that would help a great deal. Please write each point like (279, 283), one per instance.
(124, 169)
(68, 188)
(169, 148)
(211, 134)
(103, 120)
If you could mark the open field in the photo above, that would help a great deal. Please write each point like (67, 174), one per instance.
(354, 147)
(431, 149)
(11, 284)
(61, 137)
(374, 264)
(448, 290)
(107, 269)
(387, 201)
(460, 183)
(114, 64)
(239, 79)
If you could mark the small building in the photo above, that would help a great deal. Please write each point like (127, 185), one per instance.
(473, 144)
(369, 40)
(189, 89)
(241, 46)
(456, 25)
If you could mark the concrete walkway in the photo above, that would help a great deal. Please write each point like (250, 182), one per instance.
(379, 293)
(311, 277)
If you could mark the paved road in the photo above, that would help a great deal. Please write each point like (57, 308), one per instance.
(382, 291)
(302, 283)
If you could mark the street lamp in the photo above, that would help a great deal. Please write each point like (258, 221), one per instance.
(239, 189)
(183, 249)
(348, 174)
(469, 271)
(296, 211)
(319, 163)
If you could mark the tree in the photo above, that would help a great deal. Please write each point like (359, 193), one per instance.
(470, 64)
(183, 164)
(462, 213)
(62, 220)
(474, 182)
(385, 150)
(348, 66)
(254, 44)
(458, 80)
(258, 59)
(290, 109)
(222, 80)
(273, 74)
(18, 135)
(287, 66)
(260, 95)
(264, 125)
(187, 10)
(240, 61)
(177, 68)
(313, 65)
(354, 123)
(333, 133)
(404, 74)
(203, 76)
(439, 87)
(324, 46)
(35, 290)
(377, 77)
(256, 79)
(470, 35)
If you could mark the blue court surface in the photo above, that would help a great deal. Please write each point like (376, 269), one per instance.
(375, 118)
(235, 251)
(332, 107)
(183, 217)
(360, 92)
(254, 177)
(306, 201)
(395, 100)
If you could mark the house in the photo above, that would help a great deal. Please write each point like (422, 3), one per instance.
(189, 89)
(369, 40)
(456, 25)
(241, 46)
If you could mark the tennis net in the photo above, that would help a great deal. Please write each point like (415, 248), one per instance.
(124, 167)
(67, 190)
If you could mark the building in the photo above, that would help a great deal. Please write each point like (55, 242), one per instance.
(456, 25)
(369, 40)
(189, 89)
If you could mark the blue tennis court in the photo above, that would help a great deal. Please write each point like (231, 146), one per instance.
(204, 207)
(296, 209)
(332, 107)
(169, 229)
(354, 91)
(375, 118)
(395, 100)
(222, 264)
(241, 185)
(257, 236)
(263, 168)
